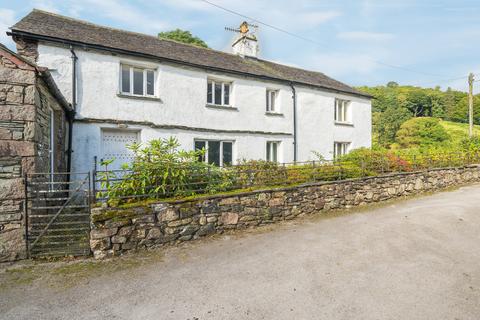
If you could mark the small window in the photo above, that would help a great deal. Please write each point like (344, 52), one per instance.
(340, 149)
(200, 145)
(125, 79)
(219, 153)
(272, 151)
(150, 82)
(271, 100)
(218, 93)
(342, 110)
(137, 81)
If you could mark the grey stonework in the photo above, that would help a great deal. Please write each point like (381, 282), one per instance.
(25, 101)
(116, 230)
(27, 49)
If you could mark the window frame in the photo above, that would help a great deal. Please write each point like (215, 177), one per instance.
(213, 81)
(268, 98)
(344, 105)
(269, 148)
(145, 71)
(344, 147)
(206, 141)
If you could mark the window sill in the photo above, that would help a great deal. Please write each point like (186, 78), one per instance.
(217, 106)
(347, 124)
(274, 114)
(121, 95)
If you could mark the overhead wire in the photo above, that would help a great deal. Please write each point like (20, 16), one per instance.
(316, 42)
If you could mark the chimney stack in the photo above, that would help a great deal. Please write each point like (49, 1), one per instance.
(246, 44)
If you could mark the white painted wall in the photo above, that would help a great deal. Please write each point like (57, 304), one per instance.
(317, 130)
(182, 102)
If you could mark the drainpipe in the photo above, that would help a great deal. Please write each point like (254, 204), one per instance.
(71, 115)
(294, 98)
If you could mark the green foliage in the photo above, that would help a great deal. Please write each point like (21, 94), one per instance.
(160, 169)
(250, 173)
(394, 104)
(183, 36)
(421, 132)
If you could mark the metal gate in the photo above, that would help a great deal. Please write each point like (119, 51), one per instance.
(57, 214)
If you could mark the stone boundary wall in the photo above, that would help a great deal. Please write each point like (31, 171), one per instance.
(25, 103)
(117, 230)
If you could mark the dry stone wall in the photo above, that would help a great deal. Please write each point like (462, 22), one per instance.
(17, 151)
(25, 123)
(117, 230)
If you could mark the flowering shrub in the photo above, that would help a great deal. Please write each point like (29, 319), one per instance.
(161, 170)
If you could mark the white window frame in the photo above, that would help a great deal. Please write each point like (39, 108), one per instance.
(223, 83)
(342, 111)
(205, 157)
(145, 70)
(340, 148)
(269, 107)
(269, 150)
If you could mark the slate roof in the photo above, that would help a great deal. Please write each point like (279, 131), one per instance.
(53, 27)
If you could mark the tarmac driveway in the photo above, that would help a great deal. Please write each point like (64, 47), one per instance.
(414, 259)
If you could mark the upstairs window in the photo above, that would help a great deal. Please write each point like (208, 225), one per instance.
(137, 81)
(218, 93)
(340, 149)
(272, 151)
(217, 152)
(342, 112)
(271, 100)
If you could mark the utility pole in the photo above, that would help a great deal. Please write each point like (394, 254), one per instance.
(470, 104)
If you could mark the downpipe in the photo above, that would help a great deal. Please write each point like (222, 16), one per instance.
(294, 98)
(71, 115)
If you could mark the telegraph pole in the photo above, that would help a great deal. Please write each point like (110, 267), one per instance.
(470, 103)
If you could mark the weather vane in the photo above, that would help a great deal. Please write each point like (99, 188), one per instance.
(244, 28)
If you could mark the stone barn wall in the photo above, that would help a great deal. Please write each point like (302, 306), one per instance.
(117, 230)
(25, 101)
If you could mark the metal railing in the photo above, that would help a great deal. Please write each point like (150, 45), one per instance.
(125, 185)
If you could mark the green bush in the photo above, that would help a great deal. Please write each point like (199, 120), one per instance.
(160, 169)
(421, 132)
(249, 173)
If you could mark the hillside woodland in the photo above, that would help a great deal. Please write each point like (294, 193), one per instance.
(408, 116)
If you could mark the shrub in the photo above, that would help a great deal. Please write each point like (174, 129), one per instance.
(160, 169)
(249, 173)
(421, 132)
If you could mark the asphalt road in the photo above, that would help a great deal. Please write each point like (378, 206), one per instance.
(415, 259)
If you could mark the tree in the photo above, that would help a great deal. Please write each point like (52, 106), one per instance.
(393, 104)
(387, 123)
(421, 132)
(183, 36)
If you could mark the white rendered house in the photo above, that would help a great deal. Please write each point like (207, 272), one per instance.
(134, 87)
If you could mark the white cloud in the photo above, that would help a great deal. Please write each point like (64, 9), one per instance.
(313, 19)
(7, 19)
(365, 36)
(46, 5)
(125, 13)
(339, 65)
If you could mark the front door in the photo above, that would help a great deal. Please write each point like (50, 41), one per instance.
(114, 145)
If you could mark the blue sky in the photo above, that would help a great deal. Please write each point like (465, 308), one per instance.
(356, 41)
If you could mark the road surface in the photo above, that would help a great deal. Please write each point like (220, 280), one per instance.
(413, 259)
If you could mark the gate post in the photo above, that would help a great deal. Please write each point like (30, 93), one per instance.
(25, 213)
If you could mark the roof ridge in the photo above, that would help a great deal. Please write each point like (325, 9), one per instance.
(127, 31)
(41, 22)
(169, 40)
